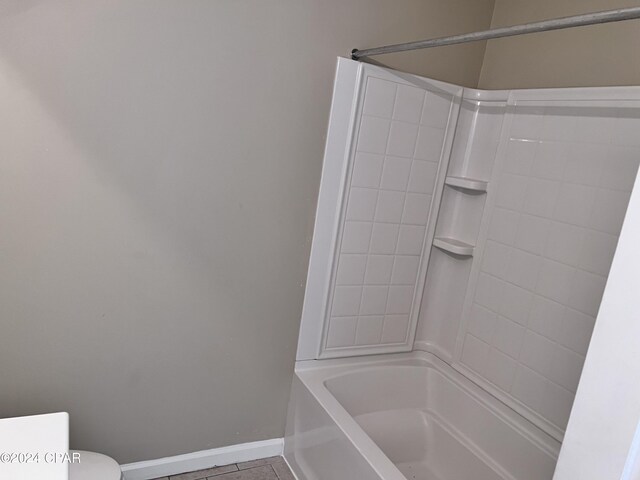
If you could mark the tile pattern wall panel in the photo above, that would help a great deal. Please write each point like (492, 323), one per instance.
(388, 201)
(560, 202)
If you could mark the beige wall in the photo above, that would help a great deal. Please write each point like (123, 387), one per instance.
(159, 167)
(597, 55)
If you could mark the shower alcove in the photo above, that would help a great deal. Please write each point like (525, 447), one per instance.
(462, 243)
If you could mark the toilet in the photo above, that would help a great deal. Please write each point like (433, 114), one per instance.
(94, 466)
(48, 435)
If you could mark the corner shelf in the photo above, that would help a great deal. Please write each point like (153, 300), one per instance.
(467, 184)
(454, 246)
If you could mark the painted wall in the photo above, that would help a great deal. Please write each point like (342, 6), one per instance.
(159, 168)
(597, 55)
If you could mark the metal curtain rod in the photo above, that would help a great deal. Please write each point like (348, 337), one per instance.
(544, 26)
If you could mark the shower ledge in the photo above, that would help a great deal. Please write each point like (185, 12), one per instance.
(467, 183)
(454, 246)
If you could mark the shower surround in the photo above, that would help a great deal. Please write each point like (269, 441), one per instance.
(474, 231)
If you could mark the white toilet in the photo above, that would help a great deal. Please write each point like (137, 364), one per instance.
(48, 436)
(94, 466)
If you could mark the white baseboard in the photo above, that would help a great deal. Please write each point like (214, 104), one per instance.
(204, 459)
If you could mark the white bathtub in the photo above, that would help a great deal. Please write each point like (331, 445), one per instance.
(406, 416)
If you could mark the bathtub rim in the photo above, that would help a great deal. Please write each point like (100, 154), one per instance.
(314, 373)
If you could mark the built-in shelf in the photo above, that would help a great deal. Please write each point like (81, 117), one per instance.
(467, 183)
(454, 246)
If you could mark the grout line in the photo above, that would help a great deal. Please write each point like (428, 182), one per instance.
(530, 291)
(391, 119)
(544, 257)
(526, 327)
(562, 180)
(387, 223)
(517, 361)
(609, 144)
(274, 471)
(375, 211)
(238, 469)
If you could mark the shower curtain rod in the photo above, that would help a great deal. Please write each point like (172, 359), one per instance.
(543, 26)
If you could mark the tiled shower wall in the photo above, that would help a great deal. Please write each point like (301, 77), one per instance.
(515, 310)
(560, 201)
(388, 202)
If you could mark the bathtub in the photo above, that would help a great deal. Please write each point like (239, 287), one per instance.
(406, 416)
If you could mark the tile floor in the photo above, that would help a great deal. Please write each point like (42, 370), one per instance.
(272, 468)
